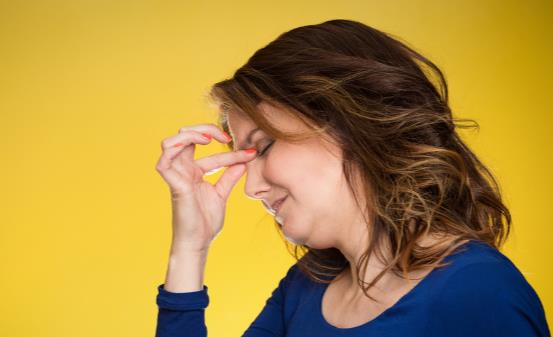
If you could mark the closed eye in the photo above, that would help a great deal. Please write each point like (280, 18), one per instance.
(262, 153)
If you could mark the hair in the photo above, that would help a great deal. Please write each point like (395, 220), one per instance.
(386, 105)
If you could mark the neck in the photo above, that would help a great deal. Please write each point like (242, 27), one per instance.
(355, 244)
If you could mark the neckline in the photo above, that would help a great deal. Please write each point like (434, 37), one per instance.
(373, 320)
(386, 312)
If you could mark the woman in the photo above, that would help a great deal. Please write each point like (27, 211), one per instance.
(355, 152)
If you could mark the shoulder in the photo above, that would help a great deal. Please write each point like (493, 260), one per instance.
(293, 281)
(483, 287)
(297, 286)
(477, 266)
(477, 252)
(295, 278)
(294, 290)
(479, 269)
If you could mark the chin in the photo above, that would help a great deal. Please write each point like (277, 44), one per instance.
(293, 241)
(291, 237)
(295, 234)
(316, 245)
(308, 239)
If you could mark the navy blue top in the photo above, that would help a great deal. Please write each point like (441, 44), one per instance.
(481, 293)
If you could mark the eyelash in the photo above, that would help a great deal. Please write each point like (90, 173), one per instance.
(264, 151)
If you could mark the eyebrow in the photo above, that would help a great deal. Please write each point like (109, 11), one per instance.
(248, 139)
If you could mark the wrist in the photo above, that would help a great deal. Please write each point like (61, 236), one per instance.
(185, 271)
(182, 248)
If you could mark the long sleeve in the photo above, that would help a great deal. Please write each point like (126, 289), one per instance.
(181, 314)
(488, 300)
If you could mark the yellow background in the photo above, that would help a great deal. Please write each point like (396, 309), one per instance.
(90, 88)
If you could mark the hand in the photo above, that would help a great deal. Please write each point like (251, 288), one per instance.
(198, 206)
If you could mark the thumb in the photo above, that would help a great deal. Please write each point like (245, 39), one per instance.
(228, 179)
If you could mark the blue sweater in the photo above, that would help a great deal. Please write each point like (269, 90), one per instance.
(481, 293)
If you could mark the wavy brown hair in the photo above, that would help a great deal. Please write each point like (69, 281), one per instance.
(387, 107)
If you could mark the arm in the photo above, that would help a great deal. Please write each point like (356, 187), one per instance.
(488, 299)
(183, 298)
(181, 313)
(184, 312)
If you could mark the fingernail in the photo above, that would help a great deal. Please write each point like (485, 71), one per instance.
(206, 135)
(178, 144)
(252, 150)
(228, 136)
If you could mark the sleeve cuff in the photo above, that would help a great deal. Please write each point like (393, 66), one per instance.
(182, 301)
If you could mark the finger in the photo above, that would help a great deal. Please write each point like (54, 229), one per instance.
(208, 173)
(172, 177)
(210, 129)
(182, 139)
(216, 161)
(173, 147)
(229, 179)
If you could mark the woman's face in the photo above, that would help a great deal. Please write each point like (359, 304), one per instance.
(319, 210)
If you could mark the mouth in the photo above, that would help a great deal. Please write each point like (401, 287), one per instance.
(278, 204)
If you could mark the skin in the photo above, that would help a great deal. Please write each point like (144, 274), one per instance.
(311, 175)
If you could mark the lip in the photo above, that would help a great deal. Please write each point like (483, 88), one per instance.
(277, 204)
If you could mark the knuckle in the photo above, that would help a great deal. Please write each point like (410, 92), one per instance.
(213, 127)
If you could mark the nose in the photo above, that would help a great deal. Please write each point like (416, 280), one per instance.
(256, 186)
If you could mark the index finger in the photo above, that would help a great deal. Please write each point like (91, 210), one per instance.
(211, 129)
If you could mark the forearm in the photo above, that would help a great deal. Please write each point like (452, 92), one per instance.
(185, 270)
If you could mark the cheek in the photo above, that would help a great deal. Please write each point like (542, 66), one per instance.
(315, 180)
(305, 169)
(312, 180)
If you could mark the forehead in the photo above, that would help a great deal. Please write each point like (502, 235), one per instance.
(239, 121)
(240, 125)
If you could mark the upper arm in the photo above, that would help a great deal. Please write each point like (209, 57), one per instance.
(488, 299)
